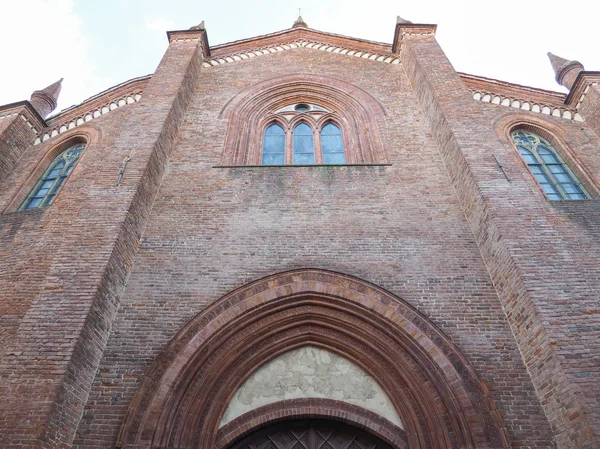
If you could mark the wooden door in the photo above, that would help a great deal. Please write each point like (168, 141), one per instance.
(310, 434)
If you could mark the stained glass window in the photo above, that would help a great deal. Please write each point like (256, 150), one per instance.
(274, 145)
(332, 145)
(555, 177)
(303, 148)
(45, 190)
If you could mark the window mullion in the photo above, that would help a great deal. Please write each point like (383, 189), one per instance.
(548, 173)
(288, 145)
(317, 146)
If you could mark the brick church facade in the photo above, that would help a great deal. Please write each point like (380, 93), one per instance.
(303, 240)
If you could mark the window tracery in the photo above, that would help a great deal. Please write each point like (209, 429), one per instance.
(551, 172)
(310, 137)
(314, 100)
(45, 190)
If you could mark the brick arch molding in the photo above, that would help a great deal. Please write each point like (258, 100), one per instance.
(440, 399)
(355, 108)
(311, 408)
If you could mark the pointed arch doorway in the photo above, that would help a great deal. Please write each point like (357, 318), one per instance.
(440, 400)
(310, 434)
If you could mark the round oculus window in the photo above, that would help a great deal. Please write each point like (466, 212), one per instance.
(302, 107)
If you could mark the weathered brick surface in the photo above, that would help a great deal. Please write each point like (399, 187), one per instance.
(543, 257)
(79, 252)
(15, 135)
(509, 277)
(401, 227)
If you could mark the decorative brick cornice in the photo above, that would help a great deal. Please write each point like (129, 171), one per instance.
(89, 115)
(302, 43)
(192, 35)
(526, 105)
(26, 111)
(411, 29)
(584, 81)
(101, 104)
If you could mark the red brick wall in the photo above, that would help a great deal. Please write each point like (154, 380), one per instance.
(542, 256)
(65, 266)
(511, 278)
(401, 227)
(15, 138)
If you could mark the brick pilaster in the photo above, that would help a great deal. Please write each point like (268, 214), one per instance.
(53, 357)
(514, 227)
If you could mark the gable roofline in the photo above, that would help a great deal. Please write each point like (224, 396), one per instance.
(297, 33)
(471, 79)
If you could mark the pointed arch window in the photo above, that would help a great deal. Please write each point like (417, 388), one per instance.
(48, 186)
(554, 176)
(274, 145)
(303, 134)
(303, 144)
(332, 145)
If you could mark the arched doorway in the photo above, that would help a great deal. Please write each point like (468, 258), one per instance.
(440, 400)
(310, 434)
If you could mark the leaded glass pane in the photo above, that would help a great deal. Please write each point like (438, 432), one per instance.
(332, 145)
(334, 158)
(303, 147)
(550, 171)
(274, 145)
(52, 180)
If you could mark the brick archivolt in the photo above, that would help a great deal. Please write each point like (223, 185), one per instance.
(526, 105)
(355, 110)
(437, 394)
(388, 58)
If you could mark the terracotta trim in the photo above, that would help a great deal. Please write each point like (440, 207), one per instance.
(441, 401)
(311, 408)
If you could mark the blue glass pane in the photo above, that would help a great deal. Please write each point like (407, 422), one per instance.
(334, 158)
(577, 196)
(332, 144)
(275, 129)
(547, 156)
(571, 188)
(304, 158)
(536, 169)
(541, 177)
(549, 188)
(303, 129)
(46, 184)
(530, 159)
(273, 159)
(563, 177)
(274, 144)
(33, 203)
(331, 130)
(554, 196)
(556, 168)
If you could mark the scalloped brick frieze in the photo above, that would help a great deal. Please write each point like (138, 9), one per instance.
(527, 105)
(388, 58)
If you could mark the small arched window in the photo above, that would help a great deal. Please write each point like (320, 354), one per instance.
(555, 177)
(274, 145)
(303, 147)
(332, 145)
(45, 190)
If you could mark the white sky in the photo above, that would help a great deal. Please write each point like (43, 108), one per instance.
(97, 44)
